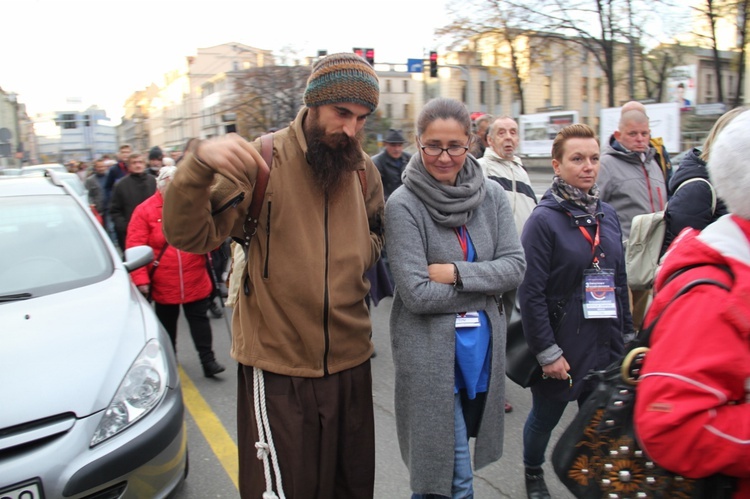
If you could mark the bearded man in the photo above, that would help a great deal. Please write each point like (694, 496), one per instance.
(301, 328)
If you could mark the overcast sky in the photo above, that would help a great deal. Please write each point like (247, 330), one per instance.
(102, 51)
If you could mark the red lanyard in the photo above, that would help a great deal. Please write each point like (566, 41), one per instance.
(463, 239)
(594, 243)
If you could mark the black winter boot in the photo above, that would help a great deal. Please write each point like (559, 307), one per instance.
(212, 368)
(536, 488)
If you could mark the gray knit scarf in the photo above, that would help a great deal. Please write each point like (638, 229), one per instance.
(448, 205)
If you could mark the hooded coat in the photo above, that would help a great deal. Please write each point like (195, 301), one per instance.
(557, 254)
(633, 186)
(693, 405)
(690, 206)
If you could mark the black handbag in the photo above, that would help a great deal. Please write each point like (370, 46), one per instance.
(521, 365)
(598, 455)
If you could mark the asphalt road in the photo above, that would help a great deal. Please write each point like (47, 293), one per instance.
(212, 428)
(212, 424)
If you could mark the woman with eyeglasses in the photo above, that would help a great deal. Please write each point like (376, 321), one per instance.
(574, 297)
(454, 250)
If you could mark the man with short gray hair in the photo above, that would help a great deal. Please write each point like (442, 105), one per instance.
(632, 181)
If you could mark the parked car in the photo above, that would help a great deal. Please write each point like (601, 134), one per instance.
(90, 394)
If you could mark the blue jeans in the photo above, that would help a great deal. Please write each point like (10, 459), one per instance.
(463, 478)
(544, 415)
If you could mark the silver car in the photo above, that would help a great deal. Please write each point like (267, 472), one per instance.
(90, 398)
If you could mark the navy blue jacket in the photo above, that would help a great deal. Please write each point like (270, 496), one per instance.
(557, 253)
(691, 205)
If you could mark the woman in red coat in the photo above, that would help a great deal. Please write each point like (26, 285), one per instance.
(174, 278)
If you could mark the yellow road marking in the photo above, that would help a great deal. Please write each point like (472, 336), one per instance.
(220, 441)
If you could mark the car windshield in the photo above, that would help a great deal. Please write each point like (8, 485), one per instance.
(48, 245)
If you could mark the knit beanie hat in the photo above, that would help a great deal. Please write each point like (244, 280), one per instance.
(342, 77)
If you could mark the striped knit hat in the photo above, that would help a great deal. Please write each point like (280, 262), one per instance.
(342, 77)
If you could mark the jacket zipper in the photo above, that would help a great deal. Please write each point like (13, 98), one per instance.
(326, 336)
(268, 241)
(229, 204)
(648, 186)
(182, 282)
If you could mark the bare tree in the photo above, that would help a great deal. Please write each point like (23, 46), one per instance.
(710, 10)
(268, 97)
(604, 28)
(742, 17)
(499, 22)
(656, 66)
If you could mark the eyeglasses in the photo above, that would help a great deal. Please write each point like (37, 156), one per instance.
(437, 151)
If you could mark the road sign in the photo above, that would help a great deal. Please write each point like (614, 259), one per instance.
(415, 65)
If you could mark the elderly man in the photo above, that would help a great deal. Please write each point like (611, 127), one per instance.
(391, 161)
(301, 326)
(501, 164)
(631, 180)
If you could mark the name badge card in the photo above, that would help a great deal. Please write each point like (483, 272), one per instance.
(599, 297)
(467, 319)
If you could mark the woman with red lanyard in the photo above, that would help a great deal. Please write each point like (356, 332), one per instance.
(453, 250)
(574, 297)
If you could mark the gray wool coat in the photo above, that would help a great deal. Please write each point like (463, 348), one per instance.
(423, 330)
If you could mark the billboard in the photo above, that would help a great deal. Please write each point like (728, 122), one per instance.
(537, 131)
(681, 86)
(664, 121)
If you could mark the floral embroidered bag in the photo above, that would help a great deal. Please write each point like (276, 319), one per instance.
(598, 455)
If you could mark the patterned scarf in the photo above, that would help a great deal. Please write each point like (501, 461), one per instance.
(448, 205)
(588, 201)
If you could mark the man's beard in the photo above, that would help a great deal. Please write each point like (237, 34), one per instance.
(330, 156)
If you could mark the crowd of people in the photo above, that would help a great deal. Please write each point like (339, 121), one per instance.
(465, 239)
(126, 195)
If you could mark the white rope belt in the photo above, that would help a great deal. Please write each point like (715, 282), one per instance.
(264, 445)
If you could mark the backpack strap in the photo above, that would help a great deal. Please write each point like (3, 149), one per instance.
(261, 182)
(155, 263)
(363, 182)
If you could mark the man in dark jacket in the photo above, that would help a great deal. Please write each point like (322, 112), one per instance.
(391, 161)
(128, 193)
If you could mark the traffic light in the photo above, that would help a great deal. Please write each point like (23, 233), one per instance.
(367, 54)
(433, 64)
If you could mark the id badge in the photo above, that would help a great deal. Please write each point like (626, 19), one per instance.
(599, 297)
(467, 319)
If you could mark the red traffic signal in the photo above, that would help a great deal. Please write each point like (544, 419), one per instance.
(367, 54)
(433, 64)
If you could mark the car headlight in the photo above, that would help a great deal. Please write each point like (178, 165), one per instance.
(140, 391)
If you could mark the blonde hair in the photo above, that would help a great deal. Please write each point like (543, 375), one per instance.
(723, 121)
(574, 131)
